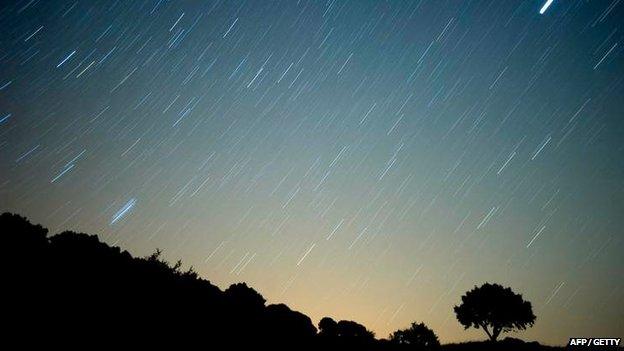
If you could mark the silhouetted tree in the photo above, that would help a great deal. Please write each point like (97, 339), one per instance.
(345, 335)
(494, 309)
(245, 298)
(418, 336)
(328, 327)
(286, 324)
(351, 329)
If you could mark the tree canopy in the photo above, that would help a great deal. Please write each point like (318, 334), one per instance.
(419, 336)
(495, 309)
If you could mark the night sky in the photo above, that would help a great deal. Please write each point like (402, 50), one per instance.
(363, 160)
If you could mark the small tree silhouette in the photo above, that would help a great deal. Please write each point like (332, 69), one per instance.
(328, 327)
(417, 336)
(282, 323)
(245, 297)
(354, 330)
(495, 309)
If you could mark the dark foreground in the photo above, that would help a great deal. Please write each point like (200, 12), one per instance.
(72, 289)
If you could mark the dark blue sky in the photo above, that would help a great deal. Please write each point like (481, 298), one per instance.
(364, 160)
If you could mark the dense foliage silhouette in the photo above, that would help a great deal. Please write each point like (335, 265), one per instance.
(494, 309)
(418, 336)
(71, 288)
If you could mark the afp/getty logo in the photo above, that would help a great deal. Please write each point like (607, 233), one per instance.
(594, 343)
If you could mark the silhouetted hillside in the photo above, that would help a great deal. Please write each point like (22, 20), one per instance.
(72, 288)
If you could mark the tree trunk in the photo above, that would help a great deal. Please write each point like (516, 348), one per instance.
(495, 333)
(487, 332)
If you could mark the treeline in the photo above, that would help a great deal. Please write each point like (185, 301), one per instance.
(71, 287)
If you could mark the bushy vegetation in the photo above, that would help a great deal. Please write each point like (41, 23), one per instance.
(71, 288)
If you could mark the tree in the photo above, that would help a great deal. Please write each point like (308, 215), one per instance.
(328, 327)
(281, 322)
(354, 330)
(417, 336)
(245, 298)
(494, 309)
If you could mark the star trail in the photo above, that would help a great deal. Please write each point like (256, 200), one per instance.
(366, 160)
